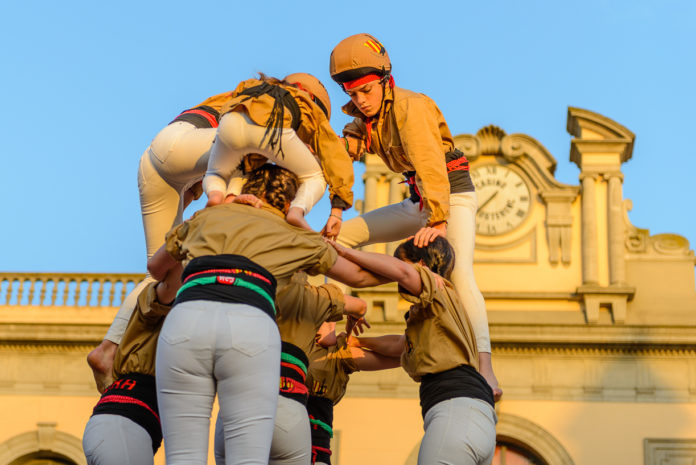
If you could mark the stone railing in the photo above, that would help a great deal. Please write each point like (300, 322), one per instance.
(66, 289)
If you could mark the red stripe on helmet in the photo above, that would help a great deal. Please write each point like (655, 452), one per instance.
(360, 81)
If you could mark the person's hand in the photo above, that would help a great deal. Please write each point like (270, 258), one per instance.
(427, 234)
(332, 227)
(341, 250)
(356, 325)
(246, 199)
(351, 341)
(326, 340)
(214, 198)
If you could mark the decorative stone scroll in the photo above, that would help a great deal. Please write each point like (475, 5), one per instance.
(539, 165)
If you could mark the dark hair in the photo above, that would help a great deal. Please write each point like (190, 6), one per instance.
(270, 79)
(438, 255)
(276, 185)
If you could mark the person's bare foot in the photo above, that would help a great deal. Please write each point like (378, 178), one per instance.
(486, 370)
(101, 361)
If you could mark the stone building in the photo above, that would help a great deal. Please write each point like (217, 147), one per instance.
(593, 324)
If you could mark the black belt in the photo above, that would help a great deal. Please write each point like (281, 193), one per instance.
(202, 117)
(228, 278)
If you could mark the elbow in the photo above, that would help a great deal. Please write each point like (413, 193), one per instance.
(155, 271)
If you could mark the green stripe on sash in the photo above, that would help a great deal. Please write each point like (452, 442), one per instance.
(322, 425)
(294, 360)
(237, 282)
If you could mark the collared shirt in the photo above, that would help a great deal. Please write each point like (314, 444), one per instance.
(260, 234)
(314, 131)
(410, 134)
(330, 369)
(136, 352)
(302, 308)
(439, 335)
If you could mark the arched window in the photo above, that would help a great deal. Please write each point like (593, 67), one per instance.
(507, 453)
(43, 458)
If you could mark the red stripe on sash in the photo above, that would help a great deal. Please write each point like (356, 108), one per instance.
(126, 400)
(211, 119)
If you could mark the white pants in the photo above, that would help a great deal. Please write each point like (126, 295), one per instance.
(116, 440)
(458, 431)
(238, 136)
(404, 219)
(233, 349)
(292, 437)
(176, 159)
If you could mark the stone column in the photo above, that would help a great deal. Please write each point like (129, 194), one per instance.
(590, 274)
(616, 233)
(370, 177)
(395, 196)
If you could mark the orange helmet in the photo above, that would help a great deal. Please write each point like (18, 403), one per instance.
(314, 88)
(357, 56)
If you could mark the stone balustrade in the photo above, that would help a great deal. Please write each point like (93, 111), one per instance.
(66, 289)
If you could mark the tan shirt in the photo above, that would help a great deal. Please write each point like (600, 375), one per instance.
(217, 101)
(314, 131)
(410, 134)
(302, 308)
(260, 234)
(329, 370)
(136, 353)
(438, 333)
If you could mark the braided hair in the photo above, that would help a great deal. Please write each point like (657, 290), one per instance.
(438, 255)
(276, 185)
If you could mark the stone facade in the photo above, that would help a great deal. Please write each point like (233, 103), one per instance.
(593, 323)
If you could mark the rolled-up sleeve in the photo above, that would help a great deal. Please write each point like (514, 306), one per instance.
(419, 132)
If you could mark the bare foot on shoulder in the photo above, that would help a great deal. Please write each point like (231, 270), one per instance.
(486, 370)
(101, 361)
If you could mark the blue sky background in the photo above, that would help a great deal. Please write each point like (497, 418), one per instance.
(86, 85)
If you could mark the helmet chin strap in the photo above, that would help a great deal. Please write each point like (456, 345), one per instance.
(368, 122)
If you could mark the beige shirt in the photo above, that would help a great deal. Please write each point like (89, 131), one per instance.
(218, 101)
(260, 234)
(314, 131)
(302, 308)
(410, 134)
(438, 333)
(136, 353)
(329, 370)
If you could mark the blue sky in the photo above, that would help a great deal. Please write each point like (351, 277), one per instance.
(86, 85)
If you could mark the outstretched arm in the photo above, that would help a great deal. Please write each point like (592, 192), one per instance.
(391, 345)
(354, 275)
(373, 361)
(385, 266)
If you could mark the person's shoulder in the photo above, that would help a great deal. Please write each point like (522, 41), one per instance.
(408, 99)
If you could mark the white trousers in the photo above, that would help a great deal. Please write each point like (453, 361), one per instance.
(238, 136)
(458, 431)
(176, 159)
(404, 219)
(116, 440)
(292, 437)
(233, 349)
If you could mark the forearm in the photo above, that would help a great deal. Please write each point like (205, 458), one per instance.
(373, 361)
(169, 286)
(391, 345)
(354, 306)
(353, 275)
(389, 267)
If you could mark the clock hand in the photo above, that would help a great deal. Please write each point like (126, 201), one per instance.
(487, 201)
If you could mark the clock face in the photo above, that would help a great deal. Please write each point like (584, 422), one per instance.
(503, 197)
